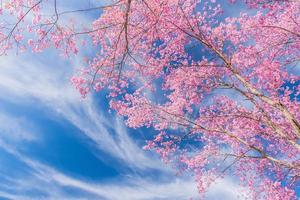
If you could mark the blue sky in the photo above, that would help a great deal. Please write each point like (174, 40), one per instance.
(55, 145)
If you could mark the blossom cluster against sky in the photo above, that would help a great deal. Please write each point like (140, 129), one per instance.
(55, 145)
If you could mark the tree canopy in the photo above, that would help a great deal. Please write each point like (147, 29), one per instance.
(221, 92)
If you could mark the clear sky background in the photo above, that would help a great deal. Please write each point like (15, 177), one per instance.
(55, 145)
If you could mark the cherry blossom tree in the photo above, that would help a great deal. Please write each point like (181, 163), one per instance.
(222, 93)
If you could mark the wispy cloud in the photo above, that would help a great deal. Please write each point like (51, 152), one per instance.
(49, 182)
(16, 129)
(27, 80)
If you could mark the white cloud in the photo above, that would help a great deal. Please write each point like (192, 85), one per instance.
(26, 79)
(16, 129)
(226, 189)
(49, 181)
